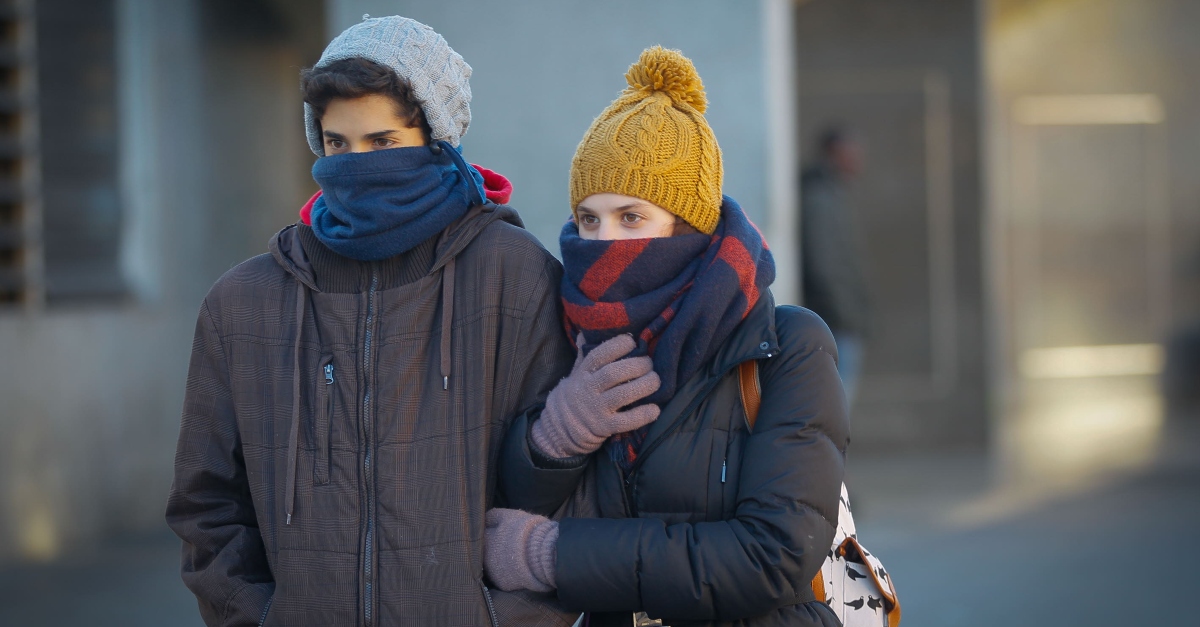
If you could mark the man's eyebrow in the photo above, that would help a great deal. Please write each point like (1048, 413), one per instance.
(379, 134)
(333, 135)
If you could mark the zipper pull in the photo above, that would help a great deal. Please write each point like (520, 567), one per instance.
(328, 374)
(722, 471)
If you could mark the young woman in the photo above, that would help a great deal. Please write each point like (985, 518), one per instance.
(697, 519)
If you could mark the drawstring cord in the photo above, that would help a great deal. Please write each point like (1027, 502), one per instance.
(447, 319)
(294, 436)
(447, 328)
(476, 198)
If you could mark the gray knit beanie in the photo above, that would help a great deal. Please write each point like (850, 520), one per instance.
(437, 74)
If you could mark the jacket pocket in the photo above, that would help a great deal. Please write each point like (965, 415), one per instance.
(323, 418)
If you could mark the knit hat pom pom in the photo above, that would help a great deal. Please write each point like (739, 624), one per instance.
(668, 71)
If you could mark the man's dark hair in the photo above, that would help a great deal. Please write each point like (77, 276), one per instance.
(357, 77)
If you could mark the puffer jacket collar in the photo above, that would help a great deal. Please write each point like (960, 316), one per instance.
(754, 338)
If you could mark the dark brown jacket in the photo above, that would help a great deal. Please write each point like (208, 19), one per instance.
(367, 402)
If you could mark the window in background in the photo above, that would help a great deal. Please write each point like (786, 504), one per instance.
(20, 256)
(77, 109)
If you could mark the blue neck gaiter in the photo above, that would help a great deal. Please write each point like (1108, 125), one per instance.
(376, 205)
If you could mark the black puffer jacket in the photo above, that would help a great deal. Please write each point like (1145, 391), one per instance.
(715, 525)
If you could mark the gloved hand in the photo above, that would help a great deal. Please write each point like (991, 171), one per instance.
(582, 410)
(519, 550)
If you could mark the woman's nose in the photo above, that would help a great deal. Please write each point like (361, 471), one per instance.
(609, 230)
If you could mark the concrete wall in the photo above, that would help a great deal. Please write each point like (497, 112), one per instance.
(90, 396)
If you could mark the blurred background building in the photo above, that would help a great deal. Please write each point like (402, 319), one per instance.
(1028, 215)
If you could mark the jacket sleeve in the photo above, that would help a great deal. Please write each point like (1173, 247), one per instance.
(224, 561)
(786, 514)
(525, 482)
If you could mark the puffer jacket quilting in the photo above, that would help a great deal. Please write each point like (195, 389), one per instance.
(715, 525)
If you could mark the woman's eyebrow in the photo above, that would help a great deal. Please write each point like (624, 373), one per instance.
(632, 205)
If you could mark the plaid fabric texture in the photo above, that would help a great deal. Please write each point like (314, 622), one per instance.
(680, 297)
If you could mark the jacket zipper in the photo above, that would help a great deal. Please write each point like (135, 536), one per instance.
(487, 598)
(637, 464)
(322, 431)
(369, 549)
(266, 608)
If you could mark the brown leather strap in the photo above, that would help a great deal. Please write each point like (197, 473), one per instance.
(751, 394)
(751, 399)
(853, 551)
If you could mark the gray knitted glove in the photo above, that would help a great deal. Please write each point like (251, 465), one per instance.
(519, 550)
(582, 410)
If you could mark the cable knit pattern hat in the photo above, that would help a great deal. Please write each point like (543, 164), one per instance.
(653, 143)
(437, 74)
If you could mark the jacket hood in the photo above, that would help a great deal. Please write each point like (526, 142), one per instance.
(285, 245)
(287, 251)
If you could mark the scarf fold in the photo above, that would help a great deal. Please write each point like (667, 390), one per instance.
(378, 204)
(680, 297)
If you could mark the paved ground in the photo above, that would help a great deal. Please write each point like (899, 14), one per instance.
(131, 582)
(1123, 551)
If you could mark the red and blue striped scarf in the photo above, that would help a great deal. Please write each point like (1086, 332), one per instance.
(680, 297)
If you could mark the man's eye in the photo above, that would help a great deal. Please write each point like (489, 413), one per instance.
(336, 144)
(383, 142)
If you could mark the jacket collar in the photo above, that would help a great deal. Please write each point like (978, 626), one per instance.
(320, 269)
(754, 338)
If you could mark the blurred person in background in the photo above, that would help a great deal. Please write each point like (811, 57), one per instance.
(833, 283)
(682, 512)
(348, 390)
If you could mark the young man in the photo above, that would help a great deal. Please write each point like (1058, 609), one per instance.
(349, 391)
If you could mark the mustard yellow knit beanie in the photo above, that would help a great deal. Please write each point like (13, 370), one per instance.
(653, 143)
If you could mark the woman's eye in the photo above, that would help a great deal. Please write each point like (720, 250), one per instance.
(585, 219)
(631, 218)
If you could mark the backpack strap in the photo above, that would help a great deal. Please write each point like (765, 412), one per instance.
(751, 400)
(751, 392)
